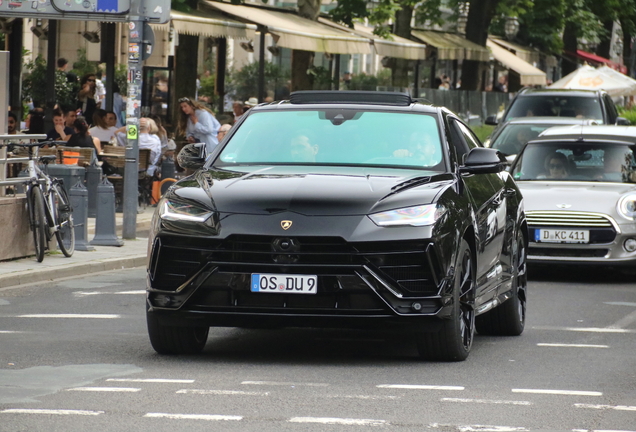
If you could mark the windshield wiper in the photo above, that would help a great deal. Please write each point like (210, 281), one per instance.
(415, 181)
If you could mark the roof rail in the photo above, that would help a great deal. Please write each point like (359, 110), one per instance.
(351, 97)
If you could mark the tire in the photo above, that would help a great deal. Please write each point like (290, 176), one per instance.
(454, 340)
(509, 318)
(38, 221)
(65, 233)
(176, 340)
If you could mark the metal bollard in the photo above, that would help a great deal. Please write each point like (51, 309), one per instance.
(93, 177)
(105, 229)
(78, 195)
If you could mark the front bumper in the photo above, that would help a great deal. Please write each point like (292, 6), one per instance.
(204, 281)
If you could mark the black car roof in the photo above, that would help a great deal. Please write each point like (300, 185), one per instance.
(564, 92)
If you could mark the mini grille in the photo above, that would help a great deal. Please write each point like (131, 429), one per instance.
(568, 219)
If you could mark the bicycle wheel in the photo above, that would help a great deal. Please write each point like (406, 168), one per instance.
(65, 232)
(38, 221)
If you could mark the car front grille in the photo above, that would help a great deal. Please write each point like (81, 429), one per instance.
(411, 267)
(569, 219)
(566, 253)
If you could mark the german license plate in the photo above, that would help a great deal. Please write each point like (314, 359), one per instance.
(284, 284)
(561, 236)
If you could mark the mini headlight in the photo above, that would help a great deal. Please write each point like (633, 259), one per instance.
(181, 211)
(414, 216)
(627, 206)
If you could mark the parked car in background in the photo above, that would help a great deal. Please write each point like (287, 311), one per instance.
(514, 133)
(579, 189)
(341, 209)
(594, 105)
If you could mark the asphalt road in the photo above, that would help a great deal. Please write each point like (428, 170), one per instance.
(75, 356)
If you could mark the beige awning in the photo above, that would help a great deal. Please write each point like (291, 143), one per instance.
(207, 23)
(529, 54)
(530, 75)
(451, 46)
(397, 46)
(294, 32)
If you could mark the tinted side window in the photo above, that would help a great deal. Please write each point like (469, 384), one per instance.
(469, 136)
(457, 138)
(611, 109)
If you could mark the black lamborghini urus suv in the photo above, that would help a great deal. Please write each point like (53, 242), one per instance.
(341, 209)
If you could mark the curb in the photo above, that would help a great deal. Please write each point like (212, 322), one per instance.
(51, 274)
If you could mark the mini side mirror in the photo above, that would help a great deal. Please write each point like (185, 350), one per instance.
(622, 121)
(492, 120)
(482, 161)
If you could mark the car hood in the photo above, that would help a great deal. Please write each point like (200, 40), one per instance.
(573, 196)
(311, 191)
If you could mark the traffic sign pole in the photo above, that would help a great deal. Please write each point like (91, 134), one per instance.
(133, 111)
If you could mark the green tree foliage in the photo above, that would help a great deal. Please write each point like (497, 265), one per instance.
(34, 85)
(244, 82)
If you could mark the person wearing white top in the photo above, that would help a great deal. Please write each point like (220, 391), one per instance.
(150, 141)
(198, 124)
(102, 130)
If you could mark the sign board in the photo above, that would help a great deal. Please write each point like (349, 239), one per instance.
(155, 11)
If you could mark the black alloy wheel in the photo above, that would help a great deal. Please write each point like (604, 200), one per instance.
(455, 339)
(509, 318)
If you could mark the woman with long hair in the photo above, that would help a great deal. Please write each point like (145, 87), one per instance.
(198, 123)
(101, 130)
(81, 137)
(86, 100)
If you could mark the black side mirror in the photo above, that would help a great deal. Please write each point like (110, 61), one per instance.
(192, 156)
(483, 160)
(492, 120)
(622, 121)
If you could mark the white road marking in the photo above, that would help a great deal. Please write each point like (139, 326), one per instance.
(561, 345)
(340, 421)
(89, 293)
(607, 407)
(90, 316)
(291, 384)
(10, 331)
(487, 401)
(221, 392)
(488, 428)
(586, 329)
(599, 430)
(625, 321)
(105, 389)
(364, 397)
(419, 387)
(51, 411)
(620, 304)
(558, 392)
(193, 416)
(152, 380)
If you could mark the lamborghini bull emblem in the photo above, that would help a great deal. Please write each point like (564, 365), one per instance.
(286, 224)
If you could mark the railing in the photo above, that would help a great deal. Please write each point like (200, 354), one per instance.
(4, 160)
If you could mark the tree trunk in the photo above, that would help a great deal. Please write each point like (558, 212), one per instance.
(301, 61)
(570, 45)
(479, 16)
(400, 67)
(605, 45)
(627, 49)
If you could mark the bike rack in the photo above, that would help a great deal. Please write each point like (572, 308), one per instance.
(4, 160)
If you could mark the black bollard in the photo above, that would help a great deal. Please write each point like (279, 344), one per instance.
(93, 177)
(78, 195)
(105, 229)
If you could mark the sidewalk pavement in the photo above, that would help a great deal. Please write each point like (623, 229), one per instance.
(55, 265)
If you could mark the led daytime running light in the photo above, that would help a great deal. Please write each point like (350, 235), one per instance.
(414, 216)
(177, 211)
(627, 206)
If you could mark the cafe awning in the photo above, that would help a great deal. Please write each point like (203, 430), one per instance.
(294, 32)
(529, 54)
(598, 60)
(530, 75)
(451, 46)
(207, 23)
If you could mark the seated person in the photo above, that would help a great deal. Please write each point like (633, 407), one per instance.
(557, 166)
(302, 150)
(60, 131)
(421, 150)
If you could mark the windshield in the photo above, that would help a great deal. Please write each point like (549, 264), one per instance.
(557, 106)
(338, 136)
(514, 136)
(576, 162)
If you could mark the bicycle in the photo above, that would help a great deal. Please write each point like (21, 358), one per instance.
(50, 211)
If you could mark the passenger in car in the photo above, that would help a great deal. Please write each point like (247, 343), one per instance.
(421, 150)
(302, 150)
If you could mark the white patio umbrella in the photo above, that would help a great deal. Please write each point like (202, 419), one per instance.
(603, 78)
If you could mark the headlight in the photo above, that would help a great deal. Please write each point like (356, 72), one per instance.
(414, 216)
(181, 211)
(627, 206)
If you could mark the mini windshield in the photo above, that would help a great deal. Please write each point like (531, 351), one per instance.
(514, 136)
(336, 137)
(576, 162)
(557, 106)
